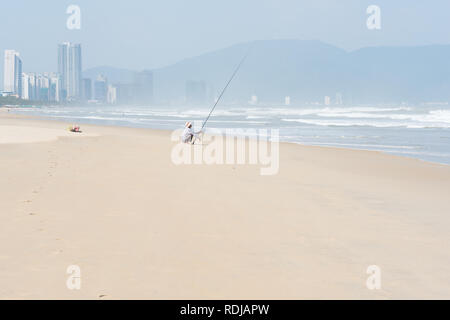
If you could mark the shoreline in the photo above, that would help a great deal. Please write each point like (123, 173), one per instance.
(43, 118)
(111, 201)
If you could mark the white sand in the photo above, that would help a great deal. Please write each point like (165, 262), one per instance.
(27, 134)
(140, 227)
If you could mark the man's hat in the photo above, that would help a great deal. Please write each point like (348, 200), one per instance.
(188, 124)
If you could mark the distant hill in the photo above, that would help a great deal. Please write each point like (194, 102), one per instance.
(400, 73)
(272, 70)
(307, 71)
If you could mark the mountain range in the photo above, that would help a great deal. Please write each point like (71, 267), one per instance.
(306, 71)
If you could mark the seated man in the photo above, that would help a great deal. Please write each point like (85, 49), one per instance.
(189, 135)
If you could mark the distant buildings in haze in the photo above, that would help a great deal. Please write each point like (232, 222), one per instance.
(86, 89)
(143, 86)
(100, 88)
(253, 100)
(68, 85)
(287, 101)
(339, 101)
(40, 87)
(196, 92)
(111, 95)
(125, 93)
(139, 92)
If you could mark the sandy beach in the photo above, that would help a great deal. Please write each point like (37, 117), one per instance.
(111, 201)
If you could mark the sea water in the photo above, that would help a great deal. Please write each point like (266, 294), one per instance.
(421, 132)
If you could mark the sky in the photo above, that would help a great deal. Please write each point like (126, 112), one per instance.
(146, 34)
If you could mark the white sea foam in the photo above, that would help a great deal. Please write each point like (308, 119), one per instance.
(361, 127)
(320, 111)
(359, 145)
(367, 123)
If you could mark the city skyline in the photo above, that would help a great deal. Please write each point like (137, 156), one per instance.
(299, 73)
(68, 83)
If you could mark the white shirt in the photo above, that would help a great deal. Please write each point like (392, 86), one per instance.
(187, 134)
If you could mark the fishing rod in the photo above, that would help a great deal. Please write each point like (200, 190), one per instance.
(225, 88)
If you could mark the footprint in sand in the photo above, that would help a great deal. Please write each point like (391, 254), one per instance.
(32, 214)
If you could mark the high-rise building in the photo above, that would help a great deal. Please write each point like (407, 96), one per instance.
(30, 86)
(339, 100)
(253, 100)
(31, 82)
(287, 101)
(12, 81)
(43, 87)
(53, 86)
(101, 88)
(125, 93)
(40, 87)
(69, 69)
(87, 89)
(143, 90)
(26, 87)
(111, 96)
(327, 100)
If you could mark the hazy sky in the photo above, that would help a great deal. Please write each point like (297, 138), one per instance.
(139, 34)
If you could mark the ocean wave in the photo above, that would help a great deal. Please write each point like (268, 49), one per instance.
(323, 111)
(377, 124)
(435, 116)
(358, 145)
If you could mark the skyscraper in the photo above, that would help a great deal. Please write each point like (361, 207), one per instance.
(111, 96)
(54, 89)
(12, 81)
(287, 101)
(101, 88)
(69, 69)
(26, 86)
(339, 100)
(43, 87)
(87, 89)
(144, 87)
(30, 88)
(125, 93)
